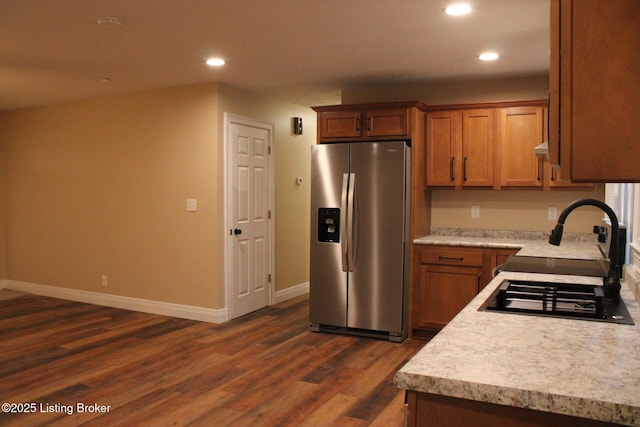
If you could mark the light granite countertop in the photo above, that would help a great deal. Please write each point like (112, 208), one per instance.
(576, 246)
(575, 367)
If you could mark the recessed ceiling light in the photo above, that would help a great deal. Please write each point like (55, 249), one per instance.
(215, 62)
(488, 56)
(109, 22)
(458, 9)
(103, 80)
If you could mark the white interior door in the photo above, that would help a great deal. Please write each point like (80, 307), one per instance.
(250, 231)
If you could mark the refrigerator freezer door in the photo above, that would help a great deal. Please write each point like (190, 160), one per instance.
(377, 284)
(327, 281)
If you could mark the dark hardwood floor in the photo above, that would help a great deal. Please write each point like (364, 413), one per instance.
(265, 369)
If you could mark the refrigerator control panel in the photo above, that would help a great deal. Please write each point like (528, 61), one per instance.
(329, 225)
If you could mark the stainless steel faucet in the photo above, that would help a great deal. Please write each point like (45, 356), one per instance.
(611, 286)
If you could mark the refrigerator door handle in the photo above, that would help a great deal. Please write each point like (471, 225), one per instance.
(351, 226)
(343, 221)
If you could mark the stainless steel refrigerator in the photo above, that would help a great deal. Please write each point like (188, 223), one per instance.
(360, 238)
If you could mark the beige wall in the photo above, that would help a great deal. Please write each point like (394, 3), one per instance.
(100, 187)
(3, 231)
(503, 210)
(454, 92)
(513, 210)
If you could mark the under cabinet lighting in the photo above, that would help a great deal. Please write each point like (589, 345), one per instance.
(458, 9)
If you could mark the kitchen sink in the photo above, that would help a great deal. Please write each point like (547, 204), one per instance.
(565, 300)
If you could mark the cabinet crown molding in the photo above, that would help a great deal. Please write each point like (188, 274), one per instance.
(483, 105)
(427, 108)
(371, 106)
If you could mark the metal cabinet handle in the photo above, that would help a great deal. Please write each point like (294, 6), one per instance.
(539, 168)
(451, 174)
(447, 258)
(464, 170)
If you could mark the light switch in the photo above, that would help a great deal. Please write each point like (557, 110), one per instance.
(192, 205)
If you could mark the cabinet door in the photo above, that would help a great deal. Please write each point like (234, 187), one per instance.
(340, 124)
(444, 141)
(553, 177)
(388, 122)
(594, 90)
(520, 132)
(443, 292)
(477, 147)
(493, 258)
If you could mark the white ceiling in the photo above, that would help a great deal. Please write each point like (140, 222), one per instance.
(306, 51)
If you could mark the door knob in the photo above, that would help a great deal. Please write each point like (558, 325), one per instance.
(237, 231)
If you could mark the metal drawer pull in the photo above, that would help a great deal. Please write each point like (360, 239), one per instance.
(446, 258)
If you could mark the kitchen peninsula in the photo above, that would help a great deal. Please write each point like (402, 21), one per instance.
(491, 368)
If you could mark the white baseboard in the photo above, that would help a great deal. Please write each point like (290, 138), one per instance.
(291, 292)
(128, 303)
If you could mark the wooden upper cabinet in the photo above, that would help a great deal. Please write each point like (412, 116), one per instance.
(460, 148)
(553, 178)
(520, 133)
(387, 122)
(340, 124)
(477, 147)
(374, 122)
(595, 90)
(444, 146)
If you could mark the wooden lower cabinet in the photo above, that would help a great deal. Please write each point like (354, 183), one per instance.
(431, 410)
(446, 279)
(494, 257)
(444, 291)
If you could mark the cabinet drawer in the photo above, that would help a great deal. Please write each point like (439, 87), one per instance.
(449, 255)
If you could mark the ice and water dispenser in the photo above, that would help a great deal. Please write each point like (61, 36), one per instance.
(329, 225)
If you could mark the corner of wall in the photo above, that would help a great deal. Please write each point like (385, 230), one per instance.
(3, 207)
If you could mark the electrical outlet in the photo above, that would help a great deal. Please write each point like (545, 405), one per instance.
(192, 205)
(104, 281)
(475, 211)
(552, 214)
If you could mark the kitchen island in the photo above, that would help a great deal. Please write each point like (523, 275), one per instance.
(515, 369)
